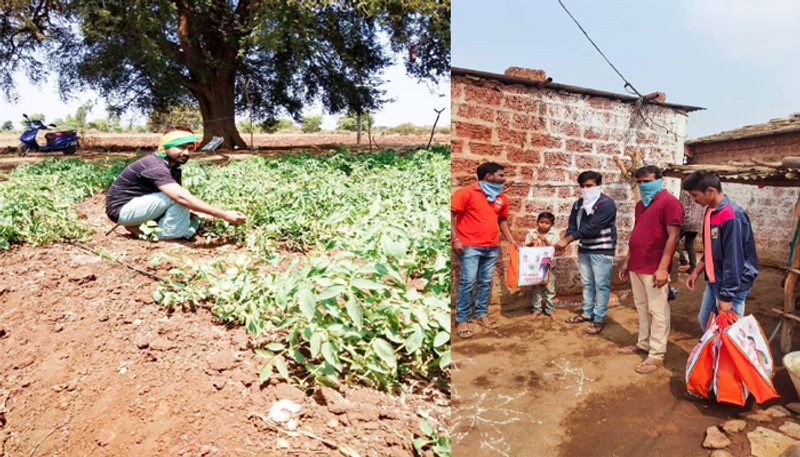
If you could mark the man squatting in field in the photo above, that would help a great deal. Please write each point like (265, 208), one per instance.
(150, 189)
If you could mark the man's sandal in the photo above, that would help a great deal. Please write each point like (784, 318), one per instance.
(464, 332)
(632, 349)
(577, 319)
(594, 328)
(649, 365)
(486, 322)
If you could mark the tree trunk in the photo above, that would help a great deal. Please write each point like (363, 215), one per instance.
(216, 101)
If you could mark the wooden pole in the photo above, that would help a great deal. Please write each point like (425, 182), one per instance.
(791, 282)
(627, 173)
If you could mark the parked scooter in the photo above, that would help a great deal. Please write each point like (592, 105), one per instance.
(66, 141)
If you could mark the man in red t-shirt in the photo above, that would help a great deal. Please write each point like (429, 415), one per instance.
(650, 249)
(479, 212)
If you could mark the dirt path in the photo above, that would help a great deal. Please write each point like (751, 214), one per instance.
(92, 366)
(544, 388)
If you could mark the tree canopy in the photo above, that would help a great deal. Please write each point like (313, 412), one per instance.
(233, 57)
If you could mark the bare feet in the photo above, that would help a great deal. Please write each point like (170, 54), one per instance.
(534, 315)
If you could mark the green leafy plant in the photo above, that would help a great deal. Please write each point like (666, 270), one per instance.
(431, 439)
(368, 302)
(149, 231)
(36, 201)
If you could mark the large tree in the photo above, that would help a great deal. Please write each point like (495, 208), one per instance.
(26, 28)
(231, 57)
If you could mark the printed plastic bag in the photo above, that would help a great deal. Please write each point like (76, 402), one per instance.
(528, 266)
(749, 353)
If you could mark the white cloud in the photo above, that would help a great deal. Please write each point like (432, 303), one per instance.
(748, 29)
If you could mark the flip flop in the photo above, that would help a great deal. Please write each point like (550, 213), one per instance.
(632, 349)
(465, 332)
(595, 328)
(577, 319)
(486, 322)
(648, 366)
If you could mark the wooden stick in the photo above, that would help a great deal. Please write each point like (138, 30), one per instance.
(793, 317)
(124, 264)
(433, 129)
(791, 283)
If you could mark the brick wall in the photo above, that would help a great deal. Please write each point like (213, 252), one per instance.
(545, 138)
(771, 209)
(771, 148)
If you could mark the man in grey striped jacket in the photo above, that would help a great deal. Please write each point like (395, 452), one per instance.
(593, 222)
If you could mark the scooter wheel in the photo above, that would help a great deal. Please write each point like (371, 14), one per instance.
(23, 150)
(70, 150)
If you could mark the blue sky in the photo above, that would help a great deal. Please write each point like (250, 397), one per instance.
(738, 59)
(414, 102)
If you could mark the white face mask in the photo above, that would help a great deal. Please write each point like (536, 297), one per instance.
(590, 196)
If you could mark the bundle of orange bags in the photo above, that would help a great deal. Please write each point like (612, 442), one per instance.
(731, 361)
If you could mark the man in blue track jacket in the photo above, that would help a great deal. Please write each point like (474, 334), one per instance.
(729, 258)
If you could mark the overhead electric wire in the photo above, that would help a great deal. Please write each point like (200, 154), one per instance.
(628, 86)
(627, 83)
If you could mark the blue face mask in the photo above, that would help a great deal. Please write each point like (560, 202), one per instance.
(648, 190)
(491, 189)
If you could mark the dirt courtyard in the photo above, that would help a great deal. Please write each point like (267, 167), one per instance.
(544, 388)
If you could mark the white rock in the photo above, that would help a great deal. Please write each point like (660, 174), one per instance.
(768, 443)
(791, 429)
(283, 410)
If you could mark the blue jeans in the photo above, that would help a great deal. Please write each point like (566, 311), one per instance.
(173, 219)
(477, 265)
(709, 304)
(596, 279)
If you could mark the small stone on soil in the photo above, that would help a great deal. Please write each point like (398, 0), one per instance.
(162, 344)
(105, 437)
(768, 443)
(333, 423)
(221, 361)
(758, 416)
(142, 341)
(715, 439)
(793, 407)
(791, 429)
(778, 411)
(734, 426)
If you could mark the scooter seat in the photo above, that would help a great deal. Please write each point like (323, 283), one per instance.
(55, 135)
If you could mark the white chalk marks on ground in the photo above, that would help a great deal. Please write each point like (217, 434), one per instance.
(455, 365)
(574, 378)
(486, 415)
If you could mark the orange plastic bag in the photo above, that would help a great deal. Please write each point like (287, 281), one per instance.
(750, 354)
(512, 268)
(727, 382)
(702, 361)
